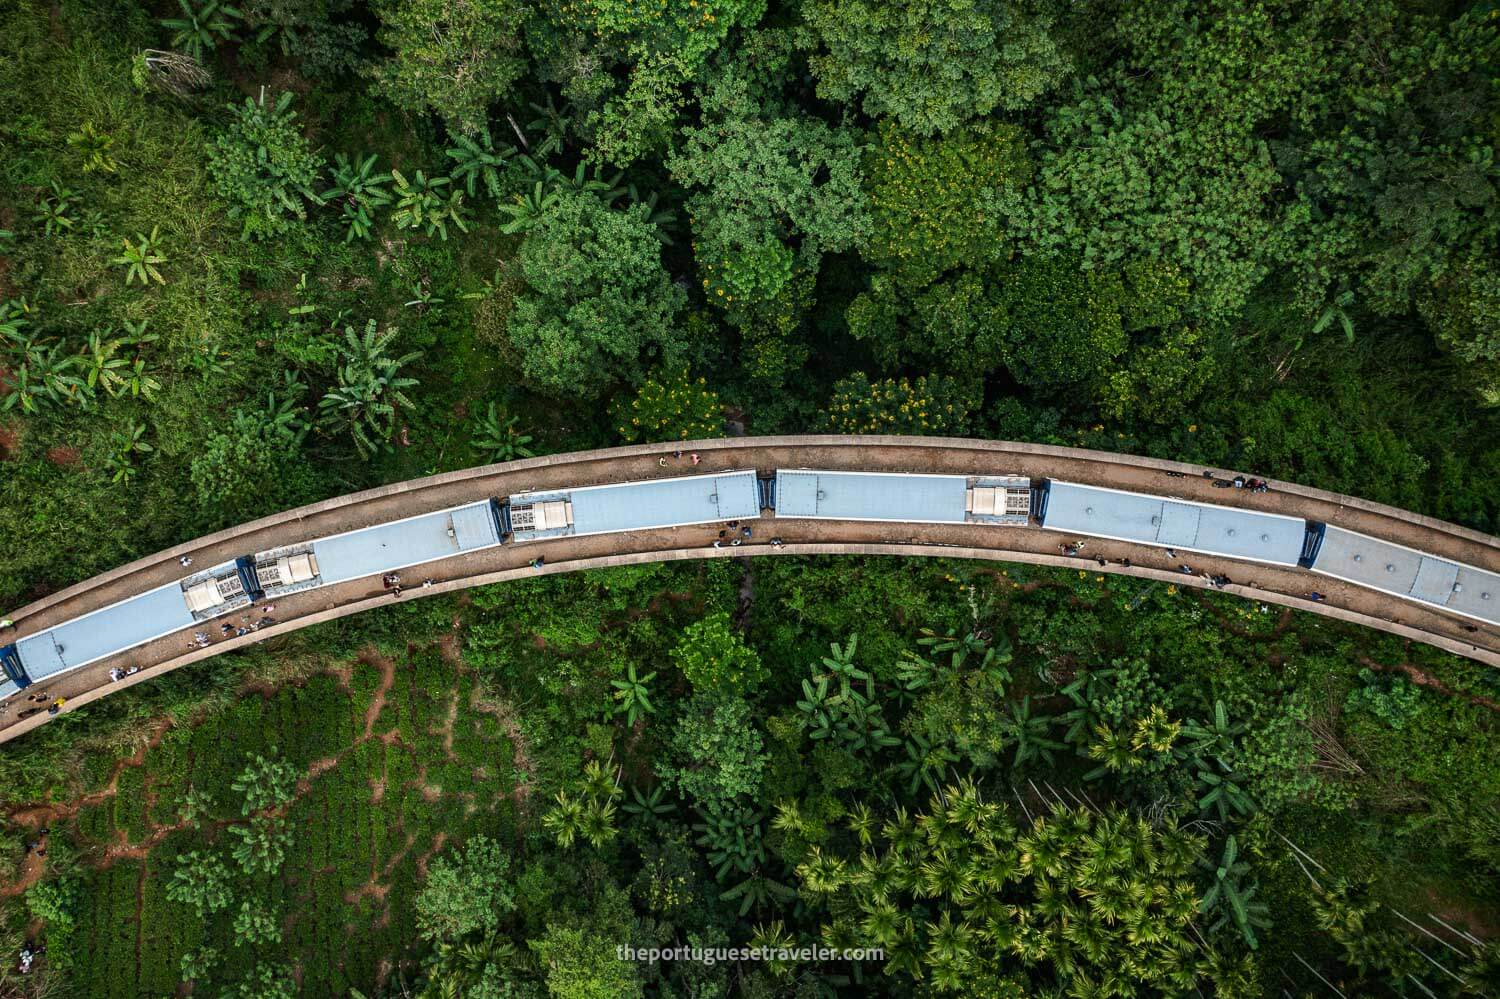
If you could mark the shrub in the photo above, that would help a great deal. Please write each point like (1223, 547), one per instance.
(264, 168)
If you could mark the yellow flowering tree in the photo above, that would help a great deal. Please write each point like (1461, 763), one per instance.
(669, 406)
(927, 405)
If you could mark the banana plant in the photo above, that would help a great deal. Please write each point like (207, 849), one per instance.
(478, 160)
(202, 26)
(360, 190)
(54, 213)
(1230, 900)
(585, 181)
(553, 124)
(633, 697)
(1031, 734)
(421, 204)
(528, 209)
(141, 257)
(125, 445)
(653, 805)
(757, 892)
(497, 438)
(94, 147)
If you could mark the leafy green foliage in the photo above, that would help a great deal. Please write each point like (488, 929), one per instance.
(467, 893)
(716, 751)
(597, 303)
(201, 881)
(713, 656)
(451, 59)
(933, 64)
(767, 184)
(943, 203)
(264, 168)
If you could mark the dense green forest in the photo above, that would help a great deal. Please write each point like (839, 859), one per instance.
(259, 254)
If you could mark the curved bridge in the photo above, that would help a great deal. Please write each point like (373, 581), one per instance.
(1288, 586)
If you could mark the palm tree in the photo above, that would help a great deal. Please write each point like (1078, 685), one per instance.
(565, 819)
(498, 438)
(597, 823)
(632, 694)
(202, 26)
(94, 147)
(140, 259)
(370, 387)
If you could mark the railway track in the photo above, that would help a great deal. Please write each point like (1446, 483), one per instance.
(1285, 586)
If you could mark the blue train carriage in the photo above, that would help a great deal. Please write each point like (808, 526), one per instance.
(378, 549)
(1405, 572)
(900, 497)
(650, 504)
(108, 631)
(1161, 522)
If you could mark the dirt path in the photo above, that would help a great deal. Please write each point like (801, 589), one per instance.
(1422, 678)
(387, 667)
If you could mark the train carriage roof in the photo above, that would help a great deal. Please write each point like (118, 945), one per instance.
(1405, 572)
(426, 537)
(646, 505)
(105, 632)
(880, 496)
(1171, 523)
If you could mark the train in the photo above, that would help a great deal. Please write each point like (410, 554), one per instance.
(1001, 501)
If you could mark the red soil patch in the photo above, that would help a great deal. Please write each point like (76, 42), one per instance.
(64, 457)
(10, 443)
